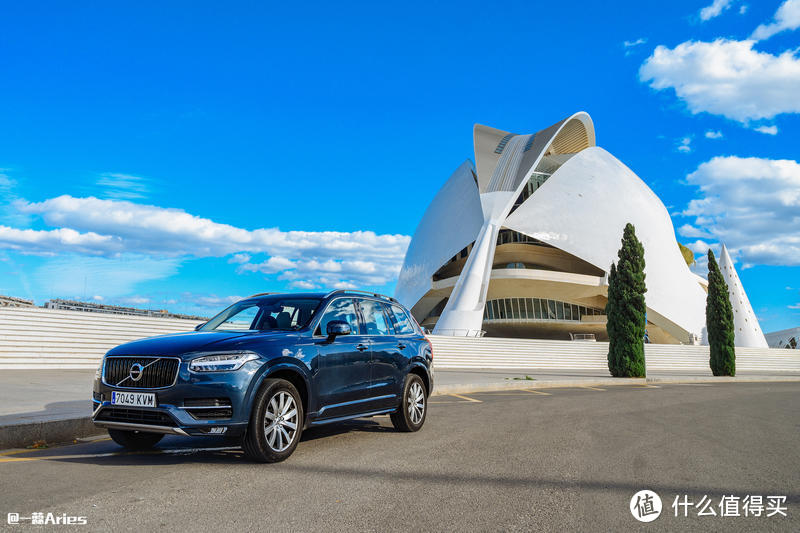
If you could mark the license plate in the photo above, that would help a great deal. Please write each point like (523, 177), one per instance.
(133, 399)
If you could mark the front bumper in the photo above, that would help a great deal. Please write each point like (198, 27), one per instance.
(179, 408)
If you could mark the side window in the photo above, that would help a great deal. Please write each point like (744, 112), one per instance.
(339, 309)
(374, 319)
(402, 324)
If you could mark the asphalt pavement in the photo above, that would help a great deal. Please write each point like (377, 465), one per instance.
(530, 460)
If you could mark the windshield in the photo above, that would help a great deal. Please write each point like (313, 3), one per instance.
(282, 313)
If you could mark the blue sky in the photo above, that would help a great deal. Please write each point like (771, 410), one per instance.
(183, 154)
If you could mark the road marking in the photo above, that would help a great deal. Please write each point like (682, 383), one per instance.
(591, 388)
(15, 452)
(536, 392)
(646, 387)
(466, 398)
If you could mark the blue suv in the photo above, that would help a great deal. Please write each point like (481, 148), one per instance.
(266, 368)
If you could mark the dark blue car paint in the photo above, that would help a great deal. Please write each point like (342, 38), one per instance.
(340, 380)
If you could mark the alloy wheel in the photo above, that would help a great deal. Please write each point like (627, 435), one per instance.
(416, 403)
(280, 421)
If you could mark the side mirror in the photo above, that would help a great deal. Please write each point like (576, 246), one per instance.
(198, 326)
(338, 327)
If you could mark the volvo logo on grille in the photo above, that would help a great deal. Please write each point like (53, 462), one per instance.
(136, 371)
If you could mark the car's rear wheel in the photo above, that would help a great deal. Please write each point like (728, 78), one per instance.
(276, 422)
(135, 440)
(414, 406)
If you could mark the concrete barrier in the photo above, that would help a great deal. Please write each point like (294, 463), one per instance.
(498, 353)
(32, 338)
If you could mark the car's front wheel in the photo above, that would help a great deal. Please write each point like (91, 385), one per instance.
(414, 406)
(135, 440)
(275, 424)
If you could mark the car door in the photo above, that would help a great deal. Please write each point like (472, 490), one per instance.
(385, 371)
(343, 378)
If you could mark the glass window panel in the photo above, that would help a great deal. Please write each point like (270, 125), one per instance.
(560, 310)
(339, 309)
(374, 319)
(567, 312)
(537, 309)
(551, 310)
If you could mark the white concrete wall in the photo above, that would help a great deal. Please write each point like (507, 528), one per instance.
(496, 353)
(32, 338)
(46, 338)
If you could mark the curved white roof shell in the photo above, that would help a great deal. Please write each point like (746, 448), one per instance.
(451, 222)
(583, 208)
(584, 198)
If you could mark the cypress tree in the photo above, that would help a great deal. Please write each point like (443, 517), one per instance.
(626, 311)
(719, 322)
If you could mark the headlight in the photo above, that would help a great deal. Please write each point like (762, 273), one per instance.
(223, 362)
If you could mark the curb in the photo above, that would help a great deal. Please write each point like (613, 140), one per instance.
(443, 390)
(68, 429)
(50, 431)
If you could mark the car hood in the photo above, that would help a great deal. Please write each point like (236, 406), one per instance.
(179, 344)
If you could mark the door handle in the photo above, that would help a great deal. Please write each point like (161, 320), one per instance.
(362, 347)
(401, 345)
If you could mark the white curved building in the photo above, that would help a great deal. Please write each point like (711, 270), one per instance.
(520, 244)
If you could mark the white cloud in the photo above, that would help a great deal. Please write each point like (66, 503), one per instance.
(795, 306)
(306, 285)
(123, 186)
(685, 145)
(786, 18)
(727, 77)
(174, 232)
(751, 204)
(630, 45)
(767, 130)
(270, 266)
(58, 240)
(711, 134)
(687, 230)
(743, 9)
(715, 9)
(111, 228)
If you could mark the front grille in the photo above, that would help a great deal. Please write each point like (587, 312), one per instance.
(208, 408)
(157, 372)
(135, 416)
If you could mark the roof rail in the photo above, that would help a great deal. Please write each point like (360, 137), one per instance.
(264, 294)
(346, 291)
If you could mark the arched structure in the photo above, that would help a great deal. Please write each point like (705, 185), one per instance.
(521, 244)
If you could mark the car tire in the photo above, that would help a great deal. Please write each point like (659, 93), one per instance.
(413, 407)
(135, 440)
(270, 437)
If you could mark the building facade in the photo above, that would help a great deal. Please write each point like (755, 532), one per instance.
(520, 243)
